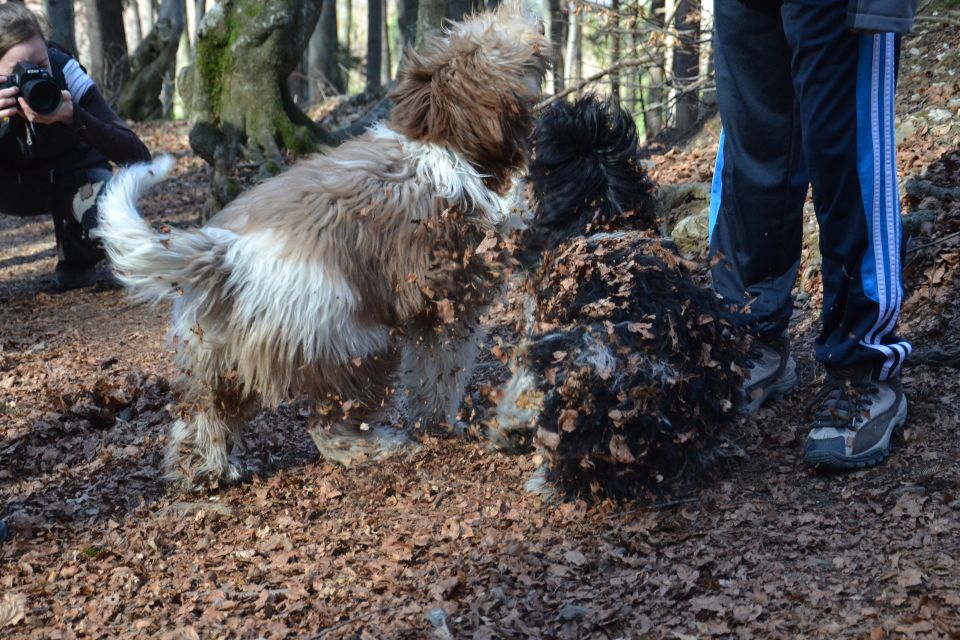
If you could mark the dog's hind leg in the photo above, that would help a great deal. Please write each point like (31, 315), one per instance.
(339, 426)
(200, 444)
(349, 444)
(435, 371)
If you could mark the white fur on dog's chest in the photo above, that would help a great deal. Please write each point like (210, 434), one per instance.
(450, 175)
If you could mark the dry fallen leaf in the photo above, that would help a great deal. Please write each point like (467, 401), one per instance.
(446, 311)
(13, 609)
(910, 578)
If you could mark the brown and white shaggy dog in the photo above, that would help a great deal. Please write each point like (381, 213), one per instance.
(353, 271)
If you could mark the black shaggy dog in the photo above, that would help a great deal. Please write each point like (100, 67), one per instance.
(628, 379)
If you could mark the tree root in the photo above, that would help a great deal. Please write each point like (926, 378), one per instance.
(935, 357)
(919, 189)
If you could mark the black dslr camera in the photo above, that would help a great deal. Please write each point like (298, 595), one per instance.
(37, 87)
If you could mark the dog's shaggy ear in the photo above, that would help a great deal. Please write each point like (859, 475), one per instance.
(473, 90)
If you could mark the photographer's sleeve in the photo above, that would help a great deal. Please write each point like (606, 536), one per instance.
(103, 130)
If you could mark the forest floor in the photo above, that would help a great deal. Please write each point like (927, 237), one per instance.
(443, 541)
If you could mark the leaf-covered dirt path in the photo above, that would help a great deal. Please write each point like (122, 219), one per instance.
(443, 542)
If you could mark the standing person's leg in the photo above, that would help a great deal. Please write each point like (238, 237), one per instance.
(74, 214)
(756, 209)
(845, 83)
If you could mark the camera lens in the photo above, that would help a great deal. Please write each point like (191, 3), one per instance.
(42, 95)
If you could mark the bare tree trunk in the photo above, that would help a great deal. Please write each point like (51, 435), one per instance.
(108, 44)
(386, 57)
(430, 18)
(707, 63)
(349, 38)
(374, 45)
(615, 48)
(153, 61)
(183, 59)
(574, 60)
(456, 9)
(137, 24)
(407, 21)
(145, 10)
(235, 92)
(459, 9)
(558, 33)
(653, 113)
(62, 27)
(686, 62)
(633, 76)
(324, 55)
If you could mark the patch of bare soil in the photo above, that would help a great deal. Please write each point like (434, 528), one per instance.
(443, 541)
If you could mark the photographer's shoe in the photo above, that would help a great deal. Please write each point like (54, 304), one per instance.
(854, 418)
(771, 374)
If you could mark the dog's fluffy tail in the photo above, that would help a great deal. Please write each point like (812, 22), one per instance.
(154, 265)
(586, 173)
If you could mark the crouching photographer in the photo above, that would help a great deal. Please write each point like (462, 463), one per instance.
(58, 137)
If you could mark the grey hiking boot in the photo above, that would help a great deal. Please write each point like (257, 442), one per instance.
(771, 374)
(854, 417)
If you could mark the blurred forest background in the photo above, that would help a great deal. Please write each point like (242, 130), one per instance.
(654, 55)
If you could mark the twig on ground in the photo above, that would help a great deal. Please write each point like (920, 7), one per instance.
(933, 243)
(355, 619)
(953, 22)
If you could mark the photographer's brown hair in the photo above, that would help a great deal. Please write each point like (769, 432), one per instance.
(17, 25)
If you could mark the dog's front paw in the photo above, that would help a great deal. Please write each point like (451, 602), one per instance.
(513, 427)
(539, 484)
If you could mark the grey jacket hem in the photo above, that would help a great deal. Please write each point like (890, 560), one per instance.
(881, 15)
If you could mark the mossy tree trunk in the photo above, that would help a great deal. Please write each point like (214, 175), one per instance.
(236, 93)
(153, 61)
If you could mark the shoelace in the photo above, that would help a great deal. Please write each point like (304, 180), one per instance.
(839, 401)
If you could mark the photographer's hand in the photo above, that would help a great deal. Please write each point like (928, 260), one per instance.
(8, 100)
(63, 114)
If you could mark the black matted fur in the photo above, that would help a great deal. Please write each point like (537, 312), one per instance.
(587, 174)
(631, 372)
(640, 381)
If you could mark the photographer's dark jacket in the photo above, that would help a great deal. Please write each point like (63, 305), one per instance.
(54, 153)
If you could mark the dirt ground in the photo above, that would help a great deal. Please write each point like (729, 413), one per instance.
(443, 542)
